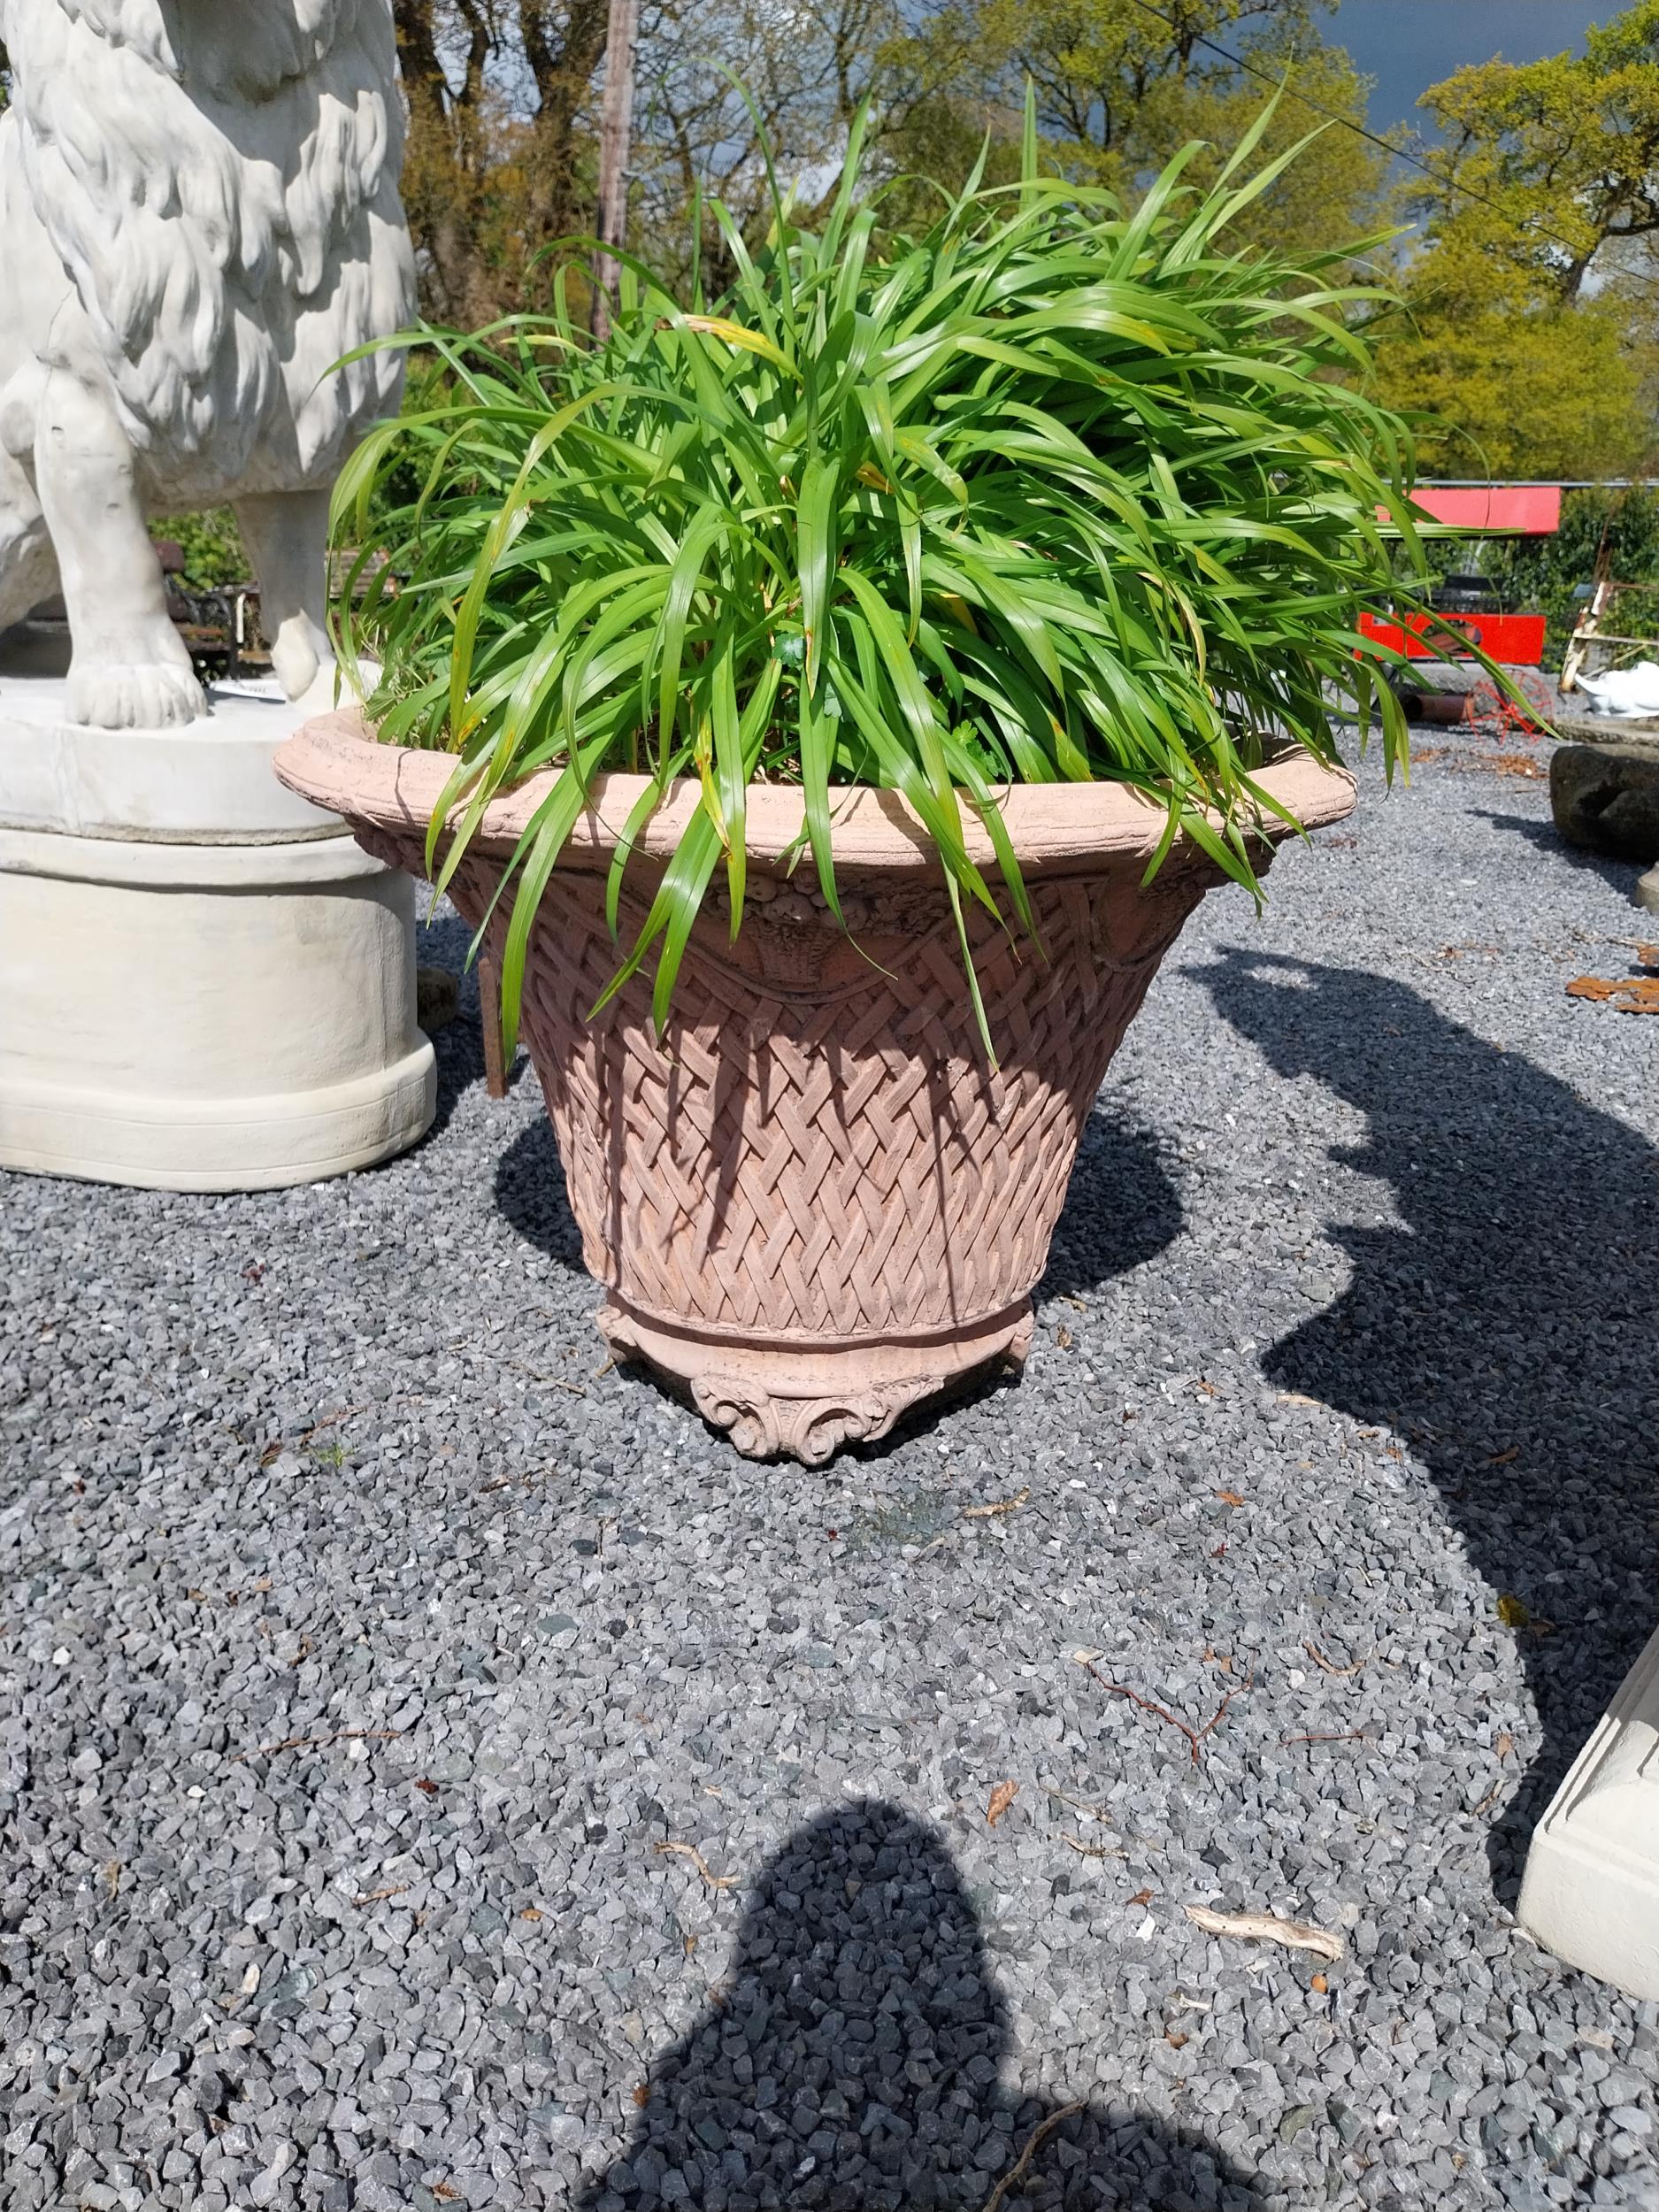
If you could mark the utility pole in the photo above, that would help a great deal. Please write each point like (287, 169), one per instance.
(616, 131)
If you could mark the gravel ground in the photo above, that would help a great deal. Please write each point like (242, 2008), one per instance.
(375, 1667)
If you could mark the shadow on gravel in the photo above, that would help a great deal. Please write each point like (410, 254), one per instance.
(1121, 1208)
(855, 2061)
(460, 1045)
(1514, 1313)
(1618, 875)
(530, 1192)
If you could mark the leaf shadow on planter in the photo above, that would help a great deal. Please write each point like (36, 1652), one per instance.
(858, 2059)
(1515, 1311)
(1618, 875)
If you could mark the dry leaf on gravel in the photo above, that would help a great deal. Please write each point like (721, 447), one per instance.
(1231, 1497)
(1629, 994)
(1266, 1927)
(1002, 1797)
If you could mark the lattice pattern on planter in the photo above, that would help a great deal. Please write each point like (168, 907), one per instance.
(809, 1151)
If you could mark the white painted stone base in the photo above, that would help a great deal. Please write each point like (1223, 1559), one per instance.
(219, 996)
(1591, 1892)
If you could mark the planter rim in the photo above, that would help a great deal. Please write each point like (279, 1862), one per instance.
(1057, 828)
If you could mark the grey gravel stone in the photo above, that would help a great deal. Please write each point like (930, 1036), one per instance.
(1361, 1236)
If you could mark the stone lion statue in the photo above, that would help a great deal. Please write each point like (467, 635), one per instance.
(198, 216)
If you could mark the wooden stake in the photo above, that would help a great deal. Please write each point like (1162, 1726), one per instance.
(489, 1019)
(616, 132)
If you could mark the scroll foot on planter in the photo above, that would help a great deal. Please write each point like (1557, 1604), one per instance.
(805, 1402)
(812, 1430)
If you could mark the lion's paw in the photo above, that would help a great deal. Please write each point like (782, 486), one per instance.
(133, 695)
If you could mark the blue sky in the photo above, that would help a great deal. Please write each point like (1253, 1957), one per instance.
(1407, 45)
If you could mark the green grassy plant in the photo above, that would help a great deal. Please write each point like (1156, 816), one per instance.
(1053, 493)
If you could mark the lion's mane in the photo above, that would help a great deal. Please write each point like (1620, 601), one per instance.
(219, 179)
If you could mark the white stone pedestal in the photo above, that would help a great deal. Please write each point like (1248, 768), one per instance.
(205, 984)
(1591, 1892)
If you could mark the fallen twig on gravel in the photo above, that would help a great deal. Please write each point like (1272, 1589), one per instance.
(373, 1896)
(1080, 1804)
(311, 1743)
(1320, 1660)
(1003, 1505)
(1266, 1927)
(1344, 1735)
(1034, 2142)
(1091, 1850)
(1194, 1736)
(690, 1851)
(344, 1413)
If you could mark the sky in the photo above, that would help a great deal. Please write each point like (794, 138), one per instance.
(1407, 45)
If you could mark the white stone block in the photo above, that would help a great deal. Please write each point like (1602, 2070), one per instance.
(214, 991)
(1590, 1892)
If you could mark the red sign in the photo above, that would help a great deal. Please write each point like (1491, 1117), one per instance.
(1516, 641)
(1511, 511)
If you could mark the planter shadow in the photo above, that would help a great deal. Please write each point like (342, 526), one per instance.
(530, 1193)
(1618, 875)
(1121, 1208)
(1517, 1307)
(859, 2060)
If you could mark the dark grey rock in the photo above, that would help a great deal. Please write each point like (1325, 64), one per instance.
(1606, 800)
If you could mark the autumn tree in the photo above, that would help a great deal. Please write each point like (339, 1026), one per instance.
(1531, 330)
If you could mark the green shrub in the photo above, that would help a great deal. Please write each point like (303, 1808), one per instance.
(1054, 492)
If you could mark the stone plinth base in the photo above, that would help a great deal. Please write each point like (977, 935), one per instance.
(1592, 1887)
(221, 996)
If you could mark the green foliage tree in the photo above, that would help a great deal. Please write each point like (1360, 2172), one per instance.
(1121, 88)
(1530, 329)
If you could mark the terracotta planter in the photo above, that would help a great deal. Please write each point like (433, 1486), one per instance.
(811, 1203)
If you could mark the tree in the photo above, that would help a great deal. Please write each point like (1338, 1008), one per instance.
(803, 69)
(1530, 328)
(500, 140)
(1120, 88)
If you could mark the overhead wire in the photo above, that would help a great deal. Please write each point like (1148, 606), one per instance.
(1398, 153)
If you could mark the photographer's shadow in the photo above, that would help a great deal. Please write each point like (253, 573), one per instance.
(854, 2060)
